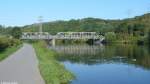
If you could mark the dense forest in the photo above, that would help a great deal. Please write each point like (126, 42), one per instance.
(130, 30)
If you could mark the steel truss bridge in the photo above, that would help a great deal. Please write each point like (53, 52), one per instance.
(62, 35)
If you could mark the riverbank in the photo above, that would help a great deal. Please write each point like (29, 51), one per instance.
(51, 70)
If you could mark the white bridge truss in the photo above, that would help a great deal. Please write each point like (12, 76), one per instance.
(61, 35)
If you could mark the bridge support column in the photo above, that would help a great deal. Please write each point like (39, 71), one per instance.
(53, 42)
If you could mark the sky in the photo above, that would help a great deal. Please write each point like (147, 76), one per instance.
(25, 12)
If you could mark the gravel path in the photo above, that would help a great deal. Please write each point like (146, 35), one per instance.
(21, 68)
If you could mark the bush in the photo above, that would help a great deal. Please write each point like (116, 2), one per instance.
(110, 37)
(6, 42)
(16, 32)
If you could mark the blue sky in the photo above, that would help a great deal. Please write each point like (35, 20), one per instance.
(22, 12)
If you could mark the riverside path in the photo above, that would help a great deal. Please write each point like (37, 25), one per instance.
(21, 67)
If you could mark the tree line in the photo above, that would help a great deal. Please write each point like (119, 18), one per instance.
(130, 30)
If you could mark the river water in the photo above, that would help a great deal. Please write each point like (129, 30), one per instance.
(111, 64)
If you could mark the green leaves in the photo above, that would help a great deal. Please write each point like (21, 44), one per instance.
(16, 32)
(110, 37)
(6, 42)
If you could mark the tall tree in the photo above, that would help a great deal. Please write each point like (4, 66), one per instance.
(16, 32)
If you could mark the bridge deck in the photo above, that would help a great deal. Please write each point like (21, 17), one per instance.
(62, 35)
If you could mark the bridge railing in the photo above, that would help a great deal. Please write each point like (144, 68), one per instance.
(46, 35)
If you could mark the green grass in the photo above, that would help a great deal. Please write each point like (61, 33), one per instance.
(51, 70)
(8, 51)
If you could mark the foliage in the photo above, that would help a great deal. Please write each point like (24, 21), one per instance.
(129, 30)
(8, 46)
(5, 30)
(148, 37)
(6, 42)
(16, 32)
(110, 37)
(52, 71)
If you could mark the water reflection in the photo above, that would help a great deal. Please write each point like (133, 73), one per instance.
(138, 56)
(111, 64)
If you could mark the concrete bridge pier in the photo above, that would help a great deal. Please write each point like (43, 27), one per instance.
(53, 42)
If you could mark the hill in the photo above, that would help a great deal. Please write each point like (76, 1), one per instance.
(138, 24)
(127, 30)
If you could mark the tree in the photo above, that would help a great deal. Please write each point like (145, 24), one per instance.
(110, 37)
(16, 32)
(148, 37)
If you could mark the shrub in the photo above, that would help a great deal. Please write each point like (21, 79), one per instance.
(110, 37)
(6, 42)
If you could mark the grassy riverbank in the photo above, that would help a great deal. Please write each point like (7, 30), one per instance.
(51, 70)
(8, 51)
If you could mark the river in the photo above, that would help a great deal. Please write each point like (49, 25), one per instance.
(111, 64)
